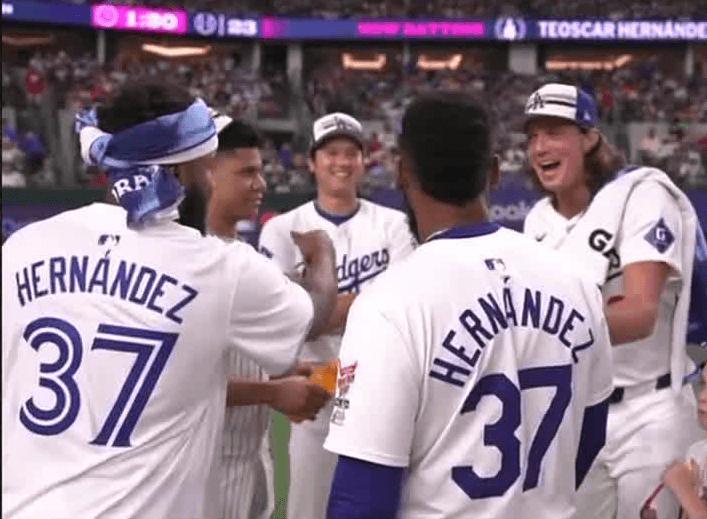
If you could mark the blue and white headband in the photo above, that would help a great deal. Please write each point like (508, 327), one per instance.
(169, 139)
(136, 159)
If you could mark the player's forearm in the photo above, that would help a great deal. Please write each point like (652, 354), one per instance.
(630, 320)
(694, 506)
(320, 282)
(337, 320)
(249, 392)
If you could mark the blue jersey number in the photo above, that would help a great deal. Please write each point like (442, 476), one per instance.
(501, 434)
(58, 376)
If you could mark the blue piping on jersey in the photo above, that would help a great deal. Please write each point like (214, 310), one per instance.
(472, 230)
(336, 219)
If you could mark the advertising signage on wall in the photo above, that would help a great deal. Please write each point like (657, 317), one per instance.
(372, 28)
(224, 25)
(40, 12)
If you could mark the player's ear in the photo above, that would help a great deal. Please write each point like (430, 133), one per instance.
(590, 139)
(494, 171)
(401, 170)
(310, 163)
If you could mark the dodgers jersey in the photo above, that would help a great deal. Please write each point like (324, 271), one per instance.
(650, 206)
(114, 347)
(471, 363)
(366, 242)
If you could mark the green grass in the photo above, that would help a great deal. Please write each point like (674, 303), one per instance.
(279, 439)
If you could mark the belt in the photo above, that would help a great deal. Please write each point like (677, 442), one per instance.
(619, 393)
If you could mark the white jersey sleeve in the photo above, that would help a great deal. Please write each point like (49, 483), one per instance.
(402, 241)
(271, 315)
(651, 228)
(276, 243)
(379, 385)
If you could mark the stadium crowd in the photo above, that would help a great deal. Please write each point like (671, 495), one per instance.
(638, 92)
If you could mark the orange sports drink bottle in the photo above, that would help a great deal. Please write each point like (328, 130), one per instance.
(324, 375)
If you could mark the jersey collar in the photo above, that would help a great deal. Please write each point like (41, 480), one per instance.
(471, 230)
(336, 219)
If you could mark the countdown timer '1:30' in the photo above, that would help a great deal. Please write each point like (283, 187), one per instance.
(106, 16)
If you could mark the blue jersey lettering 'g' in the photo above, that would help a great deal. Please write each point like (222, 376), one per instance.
(490, 317)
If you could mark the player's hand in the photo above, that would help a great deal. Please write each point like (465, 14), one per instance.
(300, 367)
(313, 244)
(298, 398)
(682, 475)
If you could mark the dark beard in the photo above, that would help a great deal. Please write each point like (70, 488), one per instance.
(192, 210)
(411, 218)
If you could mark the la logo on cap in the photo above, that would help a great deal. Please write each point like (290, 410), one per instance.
(538, 102)
(342, 124)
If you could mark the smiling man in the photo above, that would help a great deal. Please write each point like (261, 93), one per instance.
(246, 470)
(367, 238)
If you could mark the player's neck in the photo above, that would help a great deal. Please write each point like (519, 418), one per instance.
(572, 202)
(337, 205)
(224, 228)
(436, 217)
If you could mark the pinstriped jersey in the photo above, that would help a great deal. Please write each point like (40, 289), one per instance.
(244, 426)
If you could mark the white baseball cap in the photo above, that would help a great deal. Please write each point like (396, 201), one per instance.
(563, 101)
(336, 124)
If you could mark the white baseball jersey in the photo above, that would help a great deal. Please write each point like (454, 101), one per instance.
(365, 242)
(474, 375)
(114, 348)
(650, 208)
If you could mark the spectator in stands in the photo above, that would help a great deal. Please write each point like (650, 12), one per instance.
(12, 175)
(650, 146)
(34, 151)
(9, 131)
(285, 156)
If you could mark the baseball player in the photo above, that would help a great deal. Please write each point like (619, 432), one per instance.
(367, 238)
(116, 322)
(247, 478)
(474, 373)
(633, 233)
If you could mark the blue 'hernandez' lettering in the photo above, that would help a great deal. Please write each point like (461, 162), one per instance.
(462, 348)
(138, 284)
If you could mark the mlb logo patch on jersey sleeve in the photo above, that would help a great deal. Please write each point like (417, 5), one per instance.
(660, 236)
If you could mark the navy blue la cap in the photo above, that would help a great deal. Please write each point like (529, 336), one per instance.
(563, 101)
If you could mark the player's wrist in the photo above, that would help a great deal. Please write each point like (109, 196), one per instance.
(270, 392)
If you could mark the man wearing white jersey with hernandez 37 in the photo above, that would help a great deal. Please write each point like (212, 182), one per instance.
(117, 322)
(480, 365)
